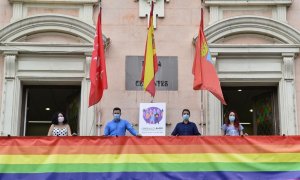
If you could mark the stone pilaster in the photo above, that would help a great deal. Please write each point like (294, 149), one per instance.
(214, 109)
(287, 104)
(9, 113)
(88, 121)
(17, 11)
(214, 15)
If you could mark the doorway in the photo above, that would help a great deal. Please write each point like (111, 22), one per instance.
(39, 103)
(257, 108)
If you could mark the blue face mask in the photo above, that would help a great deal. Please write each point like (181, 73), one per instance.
(117, 117)
(231, 118)
(185, 117)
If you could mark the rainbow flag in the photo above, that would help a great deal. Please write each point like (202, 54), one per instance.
(150, 158)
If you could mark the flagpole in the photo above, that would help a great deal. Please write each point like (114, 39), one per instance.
(97, 114)
(201, 93)
(152, 97)
(151, 2)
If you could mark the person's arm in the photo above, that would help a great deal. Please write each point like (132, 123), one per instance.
(106, 130)
(69, 130)
(241, 133)
(131, 129)
(195, 130)
(50, 130)
(224, 129)
(175, 131)
(241, 130)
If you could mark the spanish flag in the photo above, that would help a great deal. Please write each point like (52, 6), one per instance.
(150, 66)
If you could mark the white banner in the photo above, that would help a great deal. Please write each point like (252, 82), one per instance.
(152, 119)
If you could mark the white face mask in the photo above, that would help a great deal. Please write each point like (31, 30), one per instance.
(60, 119)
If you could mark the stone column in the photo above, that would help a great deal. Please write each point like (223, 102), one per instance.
(9, 117)
(287, 101)
(214, 110)
(87, 115)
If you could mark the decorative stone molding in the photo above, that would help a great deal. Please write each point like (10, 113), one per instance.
(49, 23)
(84, 7)
(214, 15)
(10, 65)
(87, 68)
(17, 11)
(254, 25)
(56, 1)
(45, 48)
(279, 13)
(288, 66)
(159, 9)
(278, 7)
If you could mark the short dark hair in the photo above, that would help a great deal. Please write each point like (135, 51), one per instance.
(55, 118)
(187, 111)
(117, 109)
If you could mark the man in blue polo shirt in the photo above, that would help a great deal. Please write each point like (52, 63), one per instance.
(186, 128)
(118, 126)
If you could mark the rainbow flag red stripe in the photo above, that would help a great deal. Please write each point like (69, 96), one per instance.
(212, 157)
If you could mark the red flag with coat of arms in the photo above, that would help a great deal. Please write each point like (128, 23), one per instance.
(205, 75)
(97, 68)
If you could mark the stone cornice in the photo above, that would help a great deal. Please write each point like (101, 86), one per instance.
(56, 1)
(246, 2)
(267, 49)
(19, 47)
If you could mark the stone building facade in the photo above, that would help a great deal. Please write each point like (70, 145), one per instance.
(45, 47)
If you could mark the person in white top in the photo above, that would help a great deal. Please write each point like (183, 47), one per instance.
(60, 126)
(232, 126)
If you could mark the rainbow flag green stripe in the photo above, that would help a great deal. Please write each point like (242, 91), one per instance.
(269, 157)
(151, 167)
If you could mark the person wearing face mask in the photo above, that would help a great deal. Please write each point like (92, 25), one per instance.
(60, 126)
(232, 126)
(118, 126)
(186, 127)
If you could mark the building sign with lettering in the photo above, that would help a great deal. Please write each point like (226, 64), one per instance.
(166, 77)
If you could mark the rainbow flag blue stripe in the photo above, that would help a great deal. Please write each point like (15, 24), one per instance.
(211, 157)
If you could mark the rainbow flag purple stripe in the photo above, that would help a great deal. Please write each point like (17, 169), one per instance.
(201, 158)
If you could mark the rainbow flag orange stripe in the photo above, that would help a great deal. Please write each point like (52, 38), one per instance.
(212, 157)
